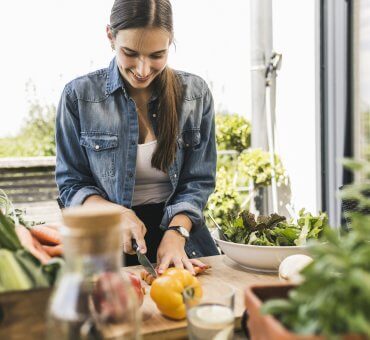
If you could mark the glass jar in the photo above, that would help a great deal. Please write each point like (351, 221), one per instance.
(92, 300)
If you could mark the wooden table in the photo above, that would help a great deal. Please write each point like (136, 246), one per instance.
(156, 326)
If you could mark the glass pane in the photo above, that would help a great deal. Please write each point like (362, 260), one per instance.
(361, 88)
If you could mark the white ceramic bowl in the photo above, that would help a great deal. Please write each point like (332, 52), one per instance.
(258, 258)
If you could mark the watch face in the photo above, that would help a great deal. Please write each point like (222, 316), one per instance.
(184, 232)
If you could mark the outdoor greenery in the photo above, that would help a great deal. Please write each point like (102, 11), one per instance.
(225, 201)
(36, 137)
(233, 132)
(239, 172)
(255, 165)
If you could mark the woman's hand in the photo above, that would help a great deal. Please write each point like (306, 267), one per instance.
(133, 227)
(171, 251)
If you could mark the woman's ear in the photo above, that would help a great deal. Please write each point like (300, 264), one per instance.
(110, 36)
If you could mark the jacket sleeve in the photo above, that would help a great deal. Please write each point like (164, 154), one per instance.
(73, 176)
(197, 175)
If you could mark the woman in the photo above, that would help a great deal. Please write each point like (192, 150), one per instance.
(140, 135)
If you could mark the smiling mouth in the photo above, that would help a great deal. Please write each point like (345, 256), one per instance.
(141, 79)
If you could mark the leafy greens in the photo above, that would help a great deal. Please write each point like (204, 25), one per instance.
(274, 230)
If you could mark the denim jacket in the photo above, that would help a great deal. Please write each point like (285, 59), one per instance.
(97, 134)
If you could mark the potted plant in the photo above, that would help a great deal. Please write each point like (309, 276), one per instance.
(333, 301)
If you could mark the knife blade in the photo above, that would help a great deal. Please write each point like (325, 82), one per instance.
(143, 260)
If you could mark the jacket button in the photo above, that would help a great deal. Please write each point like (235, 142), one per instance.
(194, 253)
(130, 174)
(97, 147)
(154, 115)
(187, 145)
(175, 175)
(133, 142)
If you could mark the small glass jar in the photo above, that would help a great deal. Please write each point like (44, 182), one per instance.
(92, 300)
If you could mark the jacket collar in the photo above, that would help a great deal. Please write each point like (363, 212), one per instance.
(114, 81)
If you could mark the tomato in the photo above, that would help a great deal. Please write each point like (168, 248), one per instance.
(136, 283)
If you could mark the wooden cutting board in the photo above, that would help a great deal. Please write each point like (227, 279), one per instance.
(155, 325)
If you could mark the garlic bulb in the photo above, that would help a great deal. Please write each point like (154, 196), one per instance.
(291, 266)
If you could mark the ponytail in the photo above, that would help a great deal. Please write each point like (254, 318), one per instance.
(168, 108)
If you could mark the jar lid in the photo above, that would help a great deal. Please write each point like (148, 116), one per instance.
(92, 218)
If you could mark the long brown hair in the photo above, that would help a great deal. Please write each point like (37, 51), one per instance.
(127, 14)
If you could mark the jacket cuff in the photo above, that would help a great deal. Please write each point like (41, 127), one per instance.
(82, 194)
(194, 213)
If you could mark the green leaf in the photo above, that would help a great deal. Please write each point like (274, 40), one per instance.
(32, 266)
(302, 238)
(276, 306)
(8, 236)
(52, 270)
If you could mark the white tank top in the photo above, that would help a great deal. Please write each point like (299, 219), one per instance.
(151, 185)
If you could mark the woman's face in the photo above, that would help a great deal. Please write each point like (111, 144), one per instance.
(141, 54)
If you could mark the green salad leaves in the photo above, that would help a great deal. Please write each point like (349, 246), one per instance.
(274, 230)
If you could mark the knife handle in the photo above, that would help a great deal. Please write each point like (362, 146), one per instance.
(134, 244)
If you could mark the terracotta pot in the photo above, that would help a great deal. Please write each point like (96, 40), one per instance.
(267, 327)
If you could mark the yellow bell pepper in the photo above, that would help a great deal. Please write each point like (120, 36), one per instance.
(168, 289)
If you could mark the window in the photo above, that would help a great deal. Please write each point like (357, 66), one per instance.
(361, 89)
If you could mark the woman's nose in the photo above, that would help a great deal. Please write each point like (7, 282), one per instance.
(143, 67)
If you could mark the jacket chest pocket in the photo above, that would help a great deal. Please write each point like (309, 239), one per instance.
(102, 150)
(189, 139)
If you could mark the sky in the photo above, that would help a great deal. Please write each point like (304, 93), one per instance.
(50, 42)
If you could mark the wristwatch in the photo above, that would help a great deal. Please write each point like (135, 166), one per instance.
(181, 230)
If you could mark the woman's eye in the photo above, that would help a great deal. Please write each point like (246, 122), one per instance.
(127, 54)
(157, 56)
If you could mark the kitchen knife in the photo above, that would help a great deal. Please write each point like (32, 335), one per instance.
(143, 260)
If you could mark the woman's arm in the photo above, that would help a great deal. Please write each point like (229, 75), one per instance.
(75, 181)
(196, 183)
(73, 175)
(197, 177)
